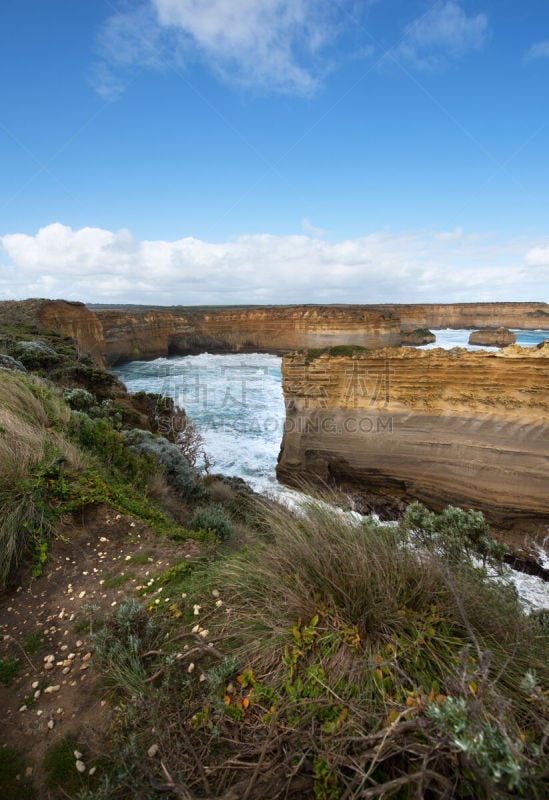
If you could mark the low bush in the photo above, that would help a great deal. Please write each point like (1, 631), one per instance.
(212, 518)
(455, 533)
(178, 472)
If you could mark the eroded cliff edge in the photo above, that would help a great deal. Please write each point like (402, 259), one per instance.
(441, 426)
(136, 332)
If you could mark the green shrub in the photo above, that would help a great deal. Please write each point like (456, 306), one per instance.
(212, 518)
(36, 355)
(178, 472)
(11, 364)
(454, 533)
(79, 399)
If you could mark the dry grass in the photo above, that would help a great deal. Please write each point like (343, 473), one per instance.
(31, 424)
(343, 664)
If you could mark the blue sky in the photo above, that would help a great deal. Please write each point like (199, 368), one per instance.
(197, 151)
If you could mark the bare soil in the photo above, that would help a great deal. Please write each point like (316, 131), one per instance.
(59, 606)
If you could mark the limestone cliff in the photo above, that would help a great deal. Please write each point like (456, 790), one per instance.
(124, 333)
(134, 332)
(441, 426)
(72, 318)
(525, 316)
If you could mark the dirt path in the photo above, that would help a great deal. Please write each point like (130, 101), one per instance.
(45, 625)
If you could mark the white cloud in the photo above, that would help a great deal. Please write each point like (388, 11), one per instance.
(97, 265)
(271, 44)
(308, 227)
(538, 51)
(538, 257)
(445, 32)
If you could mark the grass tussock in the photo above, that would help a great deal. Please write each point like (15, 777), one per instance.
(338, 659)
(31, 441)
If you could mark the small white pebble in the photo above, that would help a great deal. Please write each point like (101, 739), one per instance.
(23, 708)
(77, 754)
(204, 633)
(35, 684)
(218, 603)
(51, 689)
(79, 643)
(215, 593)
(51, 724)
(92, 771)
(153, 750)
(190, 668)
(195, 629)
(80, 766)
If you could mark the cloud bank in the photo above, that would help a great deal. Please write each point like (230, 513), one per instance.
(97, 265)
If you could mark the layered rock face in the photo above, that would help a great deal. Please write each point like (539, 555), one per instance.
(525, 316)
(443, 427)
(149, 333)
(77, 321)
(492, 337)
(72, 318)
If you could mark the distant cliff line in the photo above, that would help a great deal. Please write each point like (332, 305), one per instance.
(118, 333)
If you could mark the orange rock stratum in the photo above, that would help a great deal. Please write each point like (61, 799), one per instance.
(441, 426)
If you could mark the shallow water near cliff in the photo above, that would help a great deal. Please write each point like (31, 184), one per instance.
(236, 402)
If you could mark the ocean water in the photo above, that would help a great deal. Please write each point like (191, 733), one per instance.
(237, 404)
(235, 401)
(448, 338)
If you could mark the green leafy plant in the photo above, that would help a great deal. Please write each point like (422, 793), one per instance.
(212, 518)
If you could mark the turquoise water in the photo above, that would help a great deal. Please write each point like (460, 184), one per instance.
(448, 338)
